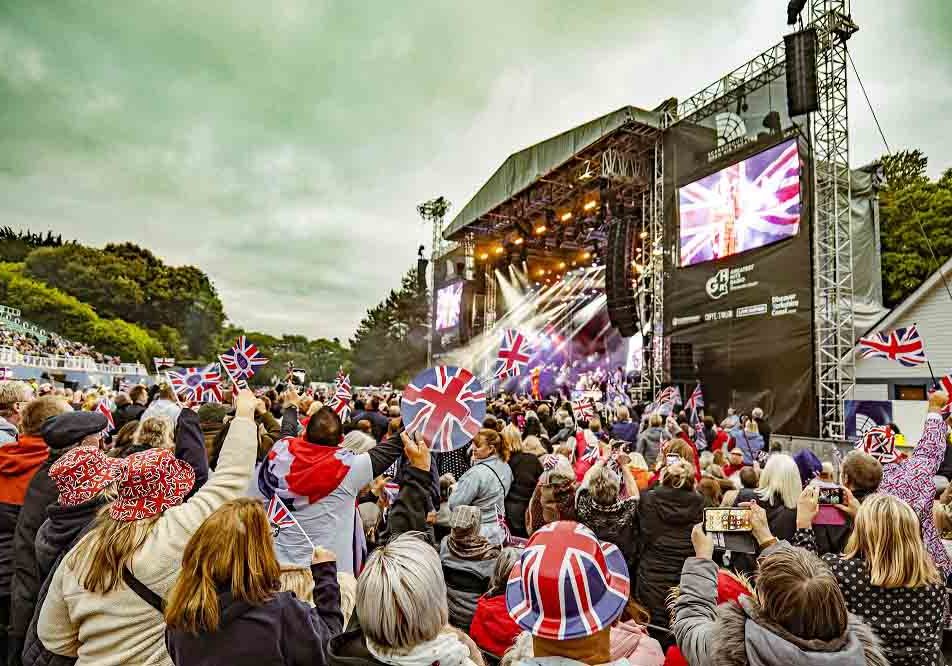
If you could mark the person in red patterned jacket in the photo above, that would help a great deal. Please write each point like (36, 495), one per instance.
(911, 480)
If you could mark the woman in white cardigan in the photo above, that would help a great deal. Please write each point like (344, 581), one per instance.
(104, 599)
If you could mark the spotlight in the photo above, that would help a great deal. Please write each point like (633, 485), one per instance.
(566, 216)
(498, 249)
(590, 205)
(484, 256)
(586, 255)
(794, 7)
(643, 234)
(518, 241)
(541, 229)
(561, 265)
(540, 272)
(574, 264)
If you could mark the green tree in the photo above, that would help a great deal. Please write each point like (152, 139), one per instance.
(16, 245)
(390, 342)
(911, 204)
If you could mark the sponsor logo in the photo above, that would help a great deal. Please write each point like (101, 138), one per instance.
(784, 305)
(685, 321)
(727, 280)
(719, 316)
(751, 310)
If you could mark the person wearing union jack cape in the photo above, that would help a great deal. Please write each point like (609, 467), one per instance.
(318, 481)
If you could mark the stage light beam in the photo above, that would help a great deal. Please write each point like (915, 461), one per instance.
(541, 229)
(566, 216)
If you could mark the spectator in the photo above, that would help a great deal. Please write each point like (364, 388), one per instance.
(748, 479)
(124, 444)
(639, 471)
(809, 466)
(710, 489)
(226, 607)
(861, 475)
(600, 508)
(887, 577)
(710, 431)
(486, 484)
(911, 480)
(554, 496)
(526, 470)
(797, 617)
(735, 462)
(444, 514)
(749, 441)
(650, 440)
(410, 511)
(763, 426)
(468, 559)
(86, 480)
(14, 397)
(666, 514)
(624, 428)
(403, 580)
(321, 482)
(102, 602)
(133, 409)
(492, 629)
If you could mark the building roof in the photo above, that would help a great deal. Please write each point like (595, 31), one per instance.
(527, 166)
(899, 311)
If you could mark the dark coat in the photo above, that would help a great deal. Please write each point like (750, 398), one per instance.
(408, 513)
(8, 526)
(466, 582)
(666, 516)
(627, 431)
(350, 649)
(127, 414)
(782, 522)
(283, 632)
(763, 427)
(617, 524)
(526, 470)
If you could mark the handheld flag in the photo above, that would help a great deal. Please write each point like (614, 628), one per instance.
(584, 409)
(104, 410)
(903, 345)
(197, 384)
(281, 517)
(696, 400)
(446, 405)
(163, 363)
(514, 355)
(666, 399)
(242, 361)
(340, 401)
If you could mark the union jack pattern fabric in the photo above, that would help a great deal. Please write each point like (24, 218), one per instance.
(665, 400)
(566, 584)
(584, 409)
(880, 443)
(242, 361)
(103, 409)
(280, 516)
(197, 384)
(163, 363)
(340, 401)
(696, 400)
(446, 405)
(151, 482)
(946, 385)
(514, 355)
(903, 345)
(742, 207)
(82, 473)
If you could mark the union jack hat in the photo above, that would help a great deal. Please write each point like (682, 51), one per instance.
(880, 443)
(567, 584)
(82, 473)
(151, 482)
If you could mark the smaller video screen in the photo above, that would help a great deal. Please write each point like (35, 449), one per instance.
(449, 302)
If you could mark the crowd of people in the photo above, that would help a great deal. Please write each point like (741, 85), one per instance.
(25, 342)
(268, 531)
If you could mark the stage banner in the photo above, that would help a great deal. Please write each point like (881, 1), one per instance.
(861, 415)
(739, 285)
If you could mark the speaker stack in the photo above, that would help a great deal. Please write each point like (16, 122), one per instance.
(802, 96)
(622, 307)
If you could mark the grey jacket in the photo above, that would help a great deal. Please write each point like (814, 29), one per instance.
(649, 444)
(485, 486)
(466, 581)
(735, 635)
(8, 432)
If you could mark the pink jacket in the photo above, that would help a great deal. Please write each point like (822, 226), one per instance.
(631, 641)
(911, 481)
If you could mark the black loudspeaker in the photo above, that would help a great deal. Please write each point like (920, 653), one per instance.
(421, 265)
(622, 307)
(802, 96)
(682, 361)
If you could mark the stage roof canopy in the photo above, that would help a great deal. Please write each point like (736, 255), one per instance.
(527, 166)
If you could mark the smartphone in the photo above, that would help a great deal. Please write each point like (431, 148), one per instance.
(672, 459)
(727, 519)
(831, 495)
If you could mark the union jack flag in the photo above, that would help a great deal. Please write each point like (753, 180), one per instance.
(584, 409)
(446, 405)
(514, 355)
(242, 361)
(696, 400)
(278, 513)
(163, 363)
(903, 345)
(103, 409)
(567, 584)
(198, 384)
(742, 207)
(340, 401)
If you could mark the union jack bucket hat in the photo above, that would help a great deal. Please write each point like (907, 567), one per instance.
(152, 481)
(567, 584)
(82, 473)
(880, 443)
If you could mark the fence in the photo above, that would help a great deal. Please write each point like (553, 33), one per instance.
(11, 357)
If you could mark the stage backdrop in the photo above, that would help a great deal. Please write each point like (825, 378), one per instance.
(743, 299)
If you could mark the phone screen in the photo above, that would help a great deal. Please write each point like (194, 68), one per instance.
(726, 519)
(831, 495)
(672, 459)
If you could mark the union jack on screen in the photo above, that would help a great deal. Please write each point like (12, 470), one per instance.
(243, 360)
(514, 355)
(198, 384)
(742, 207)
(903, 345)
(446, 405)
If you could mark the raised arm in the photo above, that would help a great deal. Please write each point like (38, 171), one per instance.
(190, 447)
(694, 610)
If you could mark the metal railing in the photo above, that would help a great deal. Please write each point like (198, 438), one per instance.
(10, 356)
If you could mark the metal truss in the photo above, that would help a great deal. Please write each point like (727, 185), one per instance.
(832, 237)
(658, 357)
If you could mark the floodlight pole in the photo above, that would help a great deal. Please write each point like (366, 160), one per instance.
(433, 211)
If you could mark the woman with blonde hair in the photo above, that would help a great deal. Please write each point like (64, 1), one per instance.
(105, 598)
(486, 484)
(226, 605)
(887, 576)
(526, 470)
(155, 432)
(667, 513)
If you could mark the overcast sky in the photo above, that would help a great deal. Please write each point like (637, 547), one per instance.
(282, 146)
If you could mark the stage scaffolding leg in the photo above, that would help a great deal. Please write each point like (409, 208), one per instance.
(833, 245)
(656, 235)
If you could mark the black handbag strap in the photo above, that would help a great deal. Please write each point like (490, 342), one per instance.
(142, 591)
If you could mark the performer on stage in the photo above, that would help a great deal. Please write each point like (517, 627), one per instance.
(535, 377)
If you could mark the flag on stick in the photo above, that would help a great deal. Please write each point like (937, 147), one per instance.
(281, 517)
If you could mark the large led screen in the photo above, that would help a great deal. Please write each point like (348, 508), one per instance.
(449, 300)
(747, 205)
